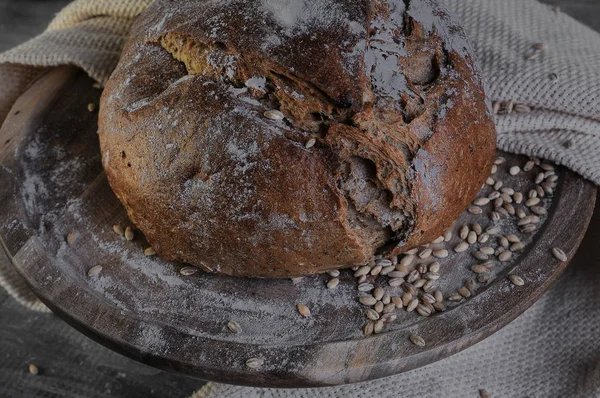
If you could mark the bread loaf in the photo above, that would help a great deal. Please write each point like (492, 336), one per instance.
(205, 123)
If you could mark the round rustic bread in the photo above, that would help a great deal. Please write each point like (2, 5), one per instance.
(207, 126)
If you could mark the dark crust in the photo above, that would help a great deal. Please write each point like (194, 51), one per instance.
(212, 183)
(445, 181)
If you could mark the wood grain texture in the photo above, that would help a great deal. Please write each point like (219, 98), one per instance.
(143, 308)
(70, 364)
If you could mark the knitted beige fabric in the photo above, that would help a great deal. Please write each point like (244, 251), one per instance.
(562, 84)
(553, 349)
(87, 33)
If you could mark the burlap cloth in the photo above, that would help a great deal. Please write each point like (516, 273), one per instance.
(553, 349)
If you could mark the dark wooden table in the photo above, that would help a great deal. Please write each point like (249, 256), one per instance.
(71, 365)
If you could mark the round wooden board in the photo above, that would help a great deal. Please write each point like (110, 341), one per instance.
(141, 306)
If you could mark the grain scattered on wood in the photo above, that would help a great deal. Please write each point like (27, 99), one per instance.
(423, 310)
(515, 247)
(378, 327)
(407, 260)
(376, 270)
(367, 300)
(447, 236)
(372, 314)
(464, 232)
(254, 363)
(487, 250)
(439, 239)
(389, 318)
(512, 238)
(187, 271)
(505, 256)
(461, 247)
(518, 197)
(516, 280)
(425, 253)
(494, 195)
(493, 230)
(389, 308)
(387, 270)
(368, 329)
(395, 282)
(471, 237)
(365, 287)
(559, 254)
(303, 310)
(479, 255)
(480, 269)
(412, 305)
(234, 327)
(532, 202)
(417, 340)
(364, 270)
(441, 253)
(428, 298)
(419, 283)
(384, 262)
(33, 369)
(397, 301)
(429, 286)
(129, 235)
(71, 237)
(95, 270)
(475, 210)
(529, 228)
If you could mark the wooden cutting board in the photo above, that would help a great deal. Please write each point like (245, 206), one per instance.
(53, 184)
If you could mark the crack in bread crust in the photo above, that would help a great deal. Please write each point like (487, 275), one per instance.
(371, 136)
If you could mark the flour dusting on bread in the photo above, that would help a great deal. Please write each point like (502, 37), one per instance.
(388, 98)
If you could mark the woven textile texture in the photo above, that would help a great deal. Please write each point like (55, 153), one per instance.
(552, 350)
(87, 33)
